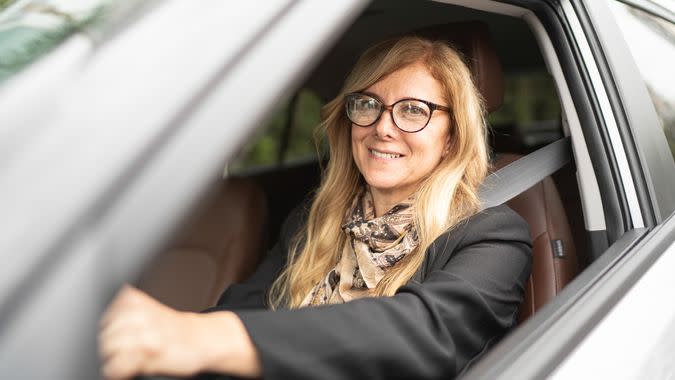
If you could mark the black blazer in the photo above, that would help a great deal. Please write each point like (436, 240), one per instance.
(464, 299)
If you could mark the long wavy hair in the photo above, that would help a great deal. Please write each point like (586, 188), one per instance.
(445, 198)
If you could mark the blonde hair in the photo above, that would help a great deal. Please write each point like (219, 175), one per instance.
(445, 198)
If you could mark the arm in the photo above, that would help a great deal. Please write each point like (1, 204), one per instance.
(427, 330)
(139, 335)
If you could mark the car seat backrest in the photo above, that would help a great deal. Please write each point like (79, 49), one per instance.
(220, 244)
(555, 261)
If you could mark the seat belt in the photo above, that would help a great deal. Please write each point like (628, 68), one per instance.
(518, 176)
(514, 178)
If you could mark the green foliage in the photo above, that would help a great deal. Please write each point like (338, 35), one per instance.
(22, 43)
(5, 3)
(264, 151)
(670, 137)
(307, 118)
(527, 97)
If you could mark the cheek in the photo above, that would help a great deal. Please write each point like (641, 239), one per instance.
(431, 148)
(428, 152)
(357, 144)
(358, 133)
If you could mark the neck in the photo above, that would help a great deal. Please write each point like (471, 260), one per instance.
(383, 201)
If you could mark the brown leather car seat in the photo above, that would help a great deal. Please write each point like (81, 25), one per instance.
(554, 262)
(220, 244)
(554, 253)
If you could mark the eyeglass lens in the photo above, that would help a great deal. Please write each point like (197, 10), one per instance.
(408, 114)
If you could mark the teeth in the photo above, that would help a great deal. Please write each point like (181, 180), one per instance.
(384, 155)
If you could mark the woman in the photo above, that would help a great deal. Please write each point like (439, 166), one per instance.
(391, 272)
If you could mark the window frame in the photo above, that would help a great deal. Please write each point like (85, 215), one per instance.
(649, 158)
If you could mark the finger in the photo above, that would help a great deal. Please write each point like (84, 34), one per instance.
(143, 339)
(127, 299)
(114, 343)
(130, 328)
(121, 366)
(120, 301)
(123, 321)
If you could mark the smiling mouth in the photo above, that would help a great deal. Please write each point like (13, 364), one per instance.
(383, 155)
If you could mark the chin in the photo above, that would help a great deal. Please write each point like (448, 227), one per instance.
(382, 185)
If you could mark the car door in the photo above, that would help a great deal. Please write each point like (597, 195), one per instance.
(640, 43)
(143, 120)
(613, 320)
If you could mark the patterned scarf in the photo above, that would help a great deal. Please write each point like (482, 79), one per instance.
(374, 245)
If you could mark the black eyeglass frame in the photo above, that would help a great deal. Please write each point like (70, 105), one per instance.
(432, 107)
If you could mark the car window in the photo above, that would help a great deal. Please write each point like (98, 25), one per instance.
(287, 137)
(530, 114)
(652, 43)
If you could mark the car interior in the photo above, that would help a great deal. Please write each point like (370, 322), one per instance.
(238, 220)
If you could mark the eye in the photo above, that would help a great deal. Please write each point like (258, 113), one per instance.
(414, 109)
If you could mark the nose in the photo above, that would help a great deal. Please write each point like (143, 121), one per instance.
(385, 127)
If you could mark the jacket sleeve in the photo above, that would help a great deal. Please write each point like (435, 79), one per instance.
(427, 330)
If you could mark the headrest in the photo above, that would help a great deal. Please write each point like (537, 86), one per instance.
(473, 40)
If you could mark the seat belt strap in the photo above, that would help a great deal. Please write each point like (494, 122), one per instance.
(514, 178)
(518, 176)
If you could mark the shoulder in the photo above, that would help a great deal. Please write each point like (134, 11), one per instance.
(495, 223)
(489, 232)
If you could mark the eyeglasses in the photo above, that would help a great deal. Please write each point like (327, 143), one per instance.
(409, 114)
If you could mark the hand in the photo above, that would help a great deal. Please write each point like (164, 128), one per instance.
(139, 335)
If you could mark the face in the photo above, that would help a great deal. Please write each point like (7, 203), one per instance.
(394, 162)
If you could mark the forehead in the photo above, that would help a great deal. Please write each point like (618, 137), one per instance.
(412, 81)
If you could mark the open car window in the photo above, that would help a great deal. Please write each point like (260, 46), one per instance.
(288, 136)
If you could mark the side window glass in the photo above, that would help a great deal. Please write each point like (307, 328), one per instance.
(530, 114)
(652, 43)
(31, 29)
(287, 138)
